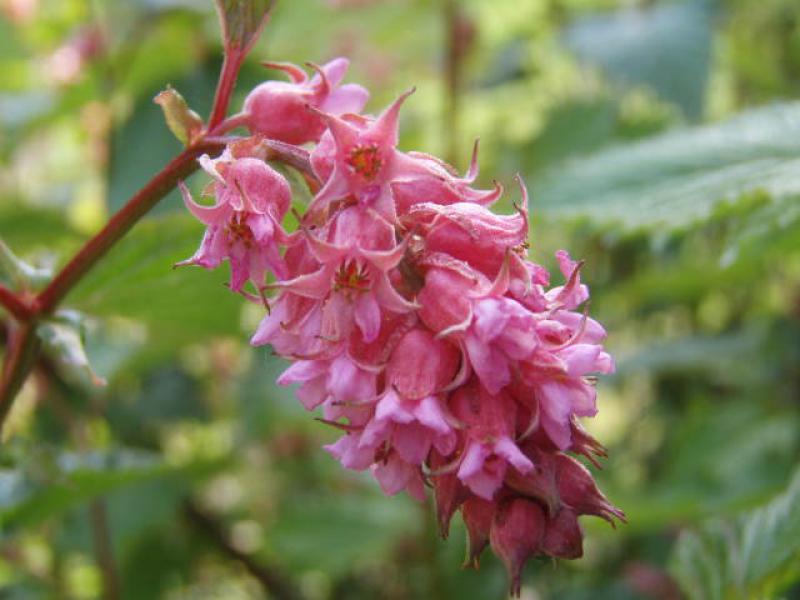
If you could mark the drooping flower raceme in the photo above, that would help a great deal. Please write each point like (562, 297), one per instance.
(414, 319)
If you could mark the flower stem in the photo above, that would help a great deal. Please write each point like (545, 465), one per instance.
(145, 199)
(227, 81)
(21, 350)
(14, 304)
(103, 549)
(23, 343)
(457, 40)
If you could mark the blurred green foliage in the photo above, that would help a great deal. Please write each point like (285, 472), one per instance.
(660, 139)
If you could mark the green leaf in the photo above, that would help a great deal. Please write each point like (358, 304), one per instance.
(30, 495)
(673, 179)
(572, 128)
(130, 167)
(62, 337)
(18, 271)
(32, 229)
(168, 53)
(242, 21)
(754, 556)
(137, 281)
(666, 47)
(309, 527)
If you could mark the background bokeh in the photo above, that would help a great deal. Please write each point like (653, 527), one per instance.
(661, 140)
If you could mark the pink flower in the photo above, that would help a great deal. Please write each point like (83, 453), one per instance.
(449, 492)
(445, 299)
(280, 110)
(366, 162)
(337, 382)
(496, 332)
(517, 532)
(502, 333)
(293, 325)
(410, 427)
(478, 515)
(471, 233)
(438, 183)
(413, 318)
(353, 280)
(394, 474)
(535, 514)
(244, 224)
(421, 365)
(563, 537)
(409, 418)
(557, 378)
(579, 492)
(490, 426)
(572, 294)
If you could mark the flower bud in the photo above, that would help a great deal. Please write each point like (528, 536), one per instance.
(478, 515)
(563, 538)
(578, 490)
(517, 532)
(280, 110)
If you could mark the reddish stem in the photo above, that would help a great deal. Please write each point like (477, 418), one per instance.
(458, 37)
(14, 304)
(104, 549)
(146, 198)
(23, 343)
(21, 349)
(229, 124)
(227, 81)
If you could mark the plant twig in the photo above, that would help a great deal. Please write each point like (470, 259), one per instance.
(22, 348)
(103, 550)
(145, 199)
(274, 582)
(14, 304)
(458, 37)
(227, 81)
(23, 345)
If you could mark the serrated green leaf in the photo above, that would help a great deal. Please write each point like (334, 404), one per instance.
(754, 556)
(674, 179)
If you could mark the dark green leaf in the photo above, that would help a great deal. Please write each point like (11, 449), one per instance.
(27, 497)
(62, 338)
(666, 47)
(679, 177)
(309, 527)
(137, 281)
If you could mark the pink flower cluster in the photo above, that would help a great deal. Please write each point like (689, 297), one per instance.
(414, 318)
